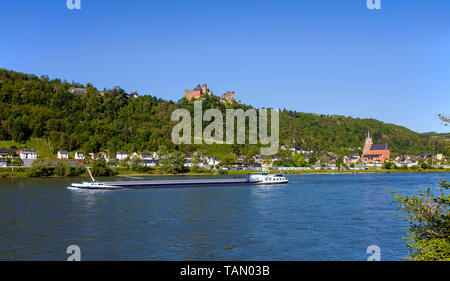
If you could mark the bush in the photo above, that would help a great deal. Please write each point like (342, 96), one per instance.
(100, 169)
(137, 166)
(40, 168)
(429, 224)
(388, 165)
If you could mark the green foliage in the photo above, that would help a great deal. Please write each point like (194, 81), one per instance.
(285, 157)
(40, 168)
(31, 107)
(195, 161)
(338, 133)
(138, 166)
(17, 162)
(43, 109)
(64, 169)
(99, 168)
(429, 224)
(228, 160)
(299, 161)
(172, 162)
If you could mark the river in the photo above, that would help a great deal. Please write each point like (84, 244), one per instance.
(314, 217)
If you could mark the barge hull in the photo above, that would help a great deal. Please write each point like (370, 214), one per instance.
(179, 183)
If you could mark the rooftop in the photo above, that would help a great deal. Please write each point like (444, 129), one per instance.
(379, 147)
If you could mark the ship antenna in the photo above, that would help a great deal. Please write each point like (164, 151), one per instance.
(90, 174)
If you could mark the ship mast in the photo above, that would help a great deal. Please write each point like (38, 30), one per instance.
(90, 174)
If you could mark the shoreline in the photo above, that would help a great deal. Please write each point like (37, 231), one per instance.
(23, 174)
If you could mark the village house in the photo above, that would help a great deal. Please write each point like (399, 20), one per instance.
(188, 163)
(94, 156)
(77, 91)
(351, 160)
(7, 153)
(106, 156)
(3, 163)
(425, 156)
(63, 154)
(150, 163)
(294, 149)
(79, 155)
(101, 155)
(146, 156)
(134, 95)
(212, 161)
(28, 154)
(121, 155)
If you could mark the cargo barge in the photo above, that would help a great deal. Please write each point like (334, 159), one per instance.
(255, 179)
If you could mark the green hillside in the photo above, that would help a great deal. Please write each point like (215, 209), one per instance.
(34, 107)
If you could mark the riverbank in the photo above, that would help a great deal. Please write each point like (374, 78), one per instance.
(22, 172)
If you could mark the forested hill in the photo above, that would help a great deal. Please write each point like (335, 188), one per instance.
(37, 107)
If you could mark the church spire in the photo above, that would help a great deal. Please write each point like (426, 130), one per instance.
(368, 133)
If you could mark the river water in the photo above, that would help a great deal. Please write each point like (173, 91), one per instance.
(314, 217)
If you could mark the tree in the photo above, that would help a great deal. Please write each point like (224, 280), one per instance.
(137, 165)
(299, 160)
(339, 163)
(195, 161)
(60, 170)
(388, 165)
(228, 160)
(39, 168)
(267, 160)
(173, 163)
(312, 160)
(100, 169)
(428, 216)
(444, 119)
(249, 160)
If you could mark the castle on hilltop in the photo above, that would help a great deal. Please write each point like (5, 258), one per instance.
(228, 97)
(375, 152)
(197, 92)
(202, 90)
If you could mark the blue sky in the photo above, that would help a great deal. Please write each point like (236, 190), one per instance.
(321, 56)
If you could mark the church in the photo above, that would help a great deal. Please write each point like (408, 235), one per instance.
(375, 152)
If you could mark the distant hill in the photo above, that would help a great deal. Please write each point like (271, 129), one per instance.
(445, 136)
(37, 107)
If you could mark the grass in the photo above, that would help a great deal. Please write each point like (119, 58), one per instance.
(42, 146)
(17, 173)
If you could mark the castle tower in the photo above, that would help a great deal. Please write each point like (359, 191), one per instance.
(204, 89)
(367, 144)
